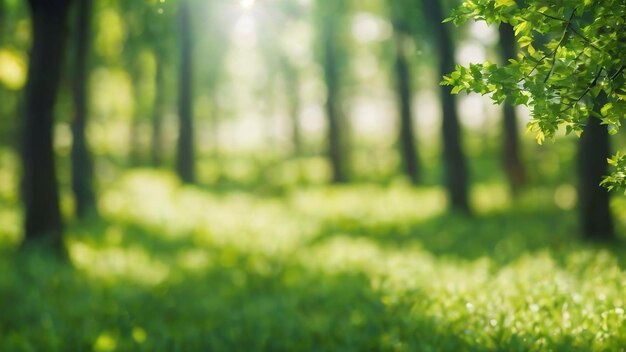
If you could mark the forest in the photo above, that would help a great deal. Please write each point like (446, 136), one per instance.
(312, 175)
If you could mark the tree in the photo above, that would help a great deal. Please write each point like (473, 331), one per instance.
(594, 206)
(292, 88)
(185, 152)
(454, 159)
(156, 140)
(570, 72)
(2, 19)
(157, 35)
(213, 43)
(82, 168)
(39, 180)
(402, 31)
(135, 22)
(512, 160)
(330, 15)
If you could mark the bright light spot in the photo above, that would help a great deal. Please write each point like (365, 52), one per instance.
(246, 4)
(139, 334)
(565, 196)
(12, 70)
(483, 32)
(193, 259)
(245, 31)
(105, 342)
(367, 28)
(471, 52)
(473, 114)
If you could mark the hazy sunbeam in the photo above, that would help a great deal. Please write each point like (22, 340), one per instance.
(246, 4)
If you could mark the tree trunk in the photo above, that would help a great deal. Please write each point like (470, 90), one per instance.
(3, 126)
(336, 144)
(215, 125)
(82, 167)
(294, 113)
(185, 152)
(512, 160)
(404, 91)
(39, 181)
(594, 149)
(292, 88)
(134, 140)
(156, 149)
(454, 159)
(2, 20)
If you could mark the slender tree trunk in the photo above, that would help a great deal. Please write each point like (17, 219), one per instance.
(512, 160)
(456, 165)
(2, 20)
(594, 206)
(215, 125)
(336, 144)
(292, 90)
(404, 94)
(82, 167)
(5, 126)
(134, 140)
(156, 149)
(185, 158)
(39, 181)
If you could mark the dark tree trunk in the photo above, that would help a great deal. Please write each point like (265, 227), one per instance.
(594, 149)
(3, 133)
(39, 181)
(2, 20)
(454, 159)
(404, 92)
(135, 123)
(156, 141)
(82, 167)
(185, 152)
(336, 144)
(512, 160)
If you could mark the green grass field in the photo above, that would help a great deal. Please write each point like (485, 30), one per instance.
(354, 268)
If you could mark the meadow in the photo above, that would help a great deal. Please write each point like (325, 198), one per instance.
(366, 266)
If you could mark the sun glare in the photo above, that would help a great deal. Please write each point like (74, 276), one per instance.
(246, 4)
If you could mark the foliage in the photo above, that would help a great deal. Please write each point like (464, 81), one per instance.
(173, 267)
(572, 55)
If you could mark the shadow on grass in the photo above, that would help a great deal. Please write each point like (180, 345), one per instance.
(502, 236)
(250, 303)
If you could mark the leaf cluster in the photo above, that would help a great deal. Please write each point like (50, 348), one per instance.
(571, 52)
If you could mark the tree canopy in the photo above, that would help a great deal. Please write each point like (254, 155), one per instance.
(571, 53)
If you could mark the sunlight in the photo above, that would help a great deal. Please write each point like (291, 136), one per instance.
(12, 70)
(246, 4)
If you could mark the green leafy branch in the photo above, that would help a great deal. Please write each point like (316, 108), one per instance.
(571, 51)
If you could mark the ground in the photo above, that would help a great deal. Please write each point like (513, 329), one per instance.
(351, 268)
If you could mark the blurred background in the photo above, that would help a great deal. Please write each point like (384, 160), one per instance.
(257, 91)
(262, 149)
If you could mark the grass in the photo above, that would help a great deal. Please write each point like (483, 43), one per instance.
(295, 265)
(176, 268)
